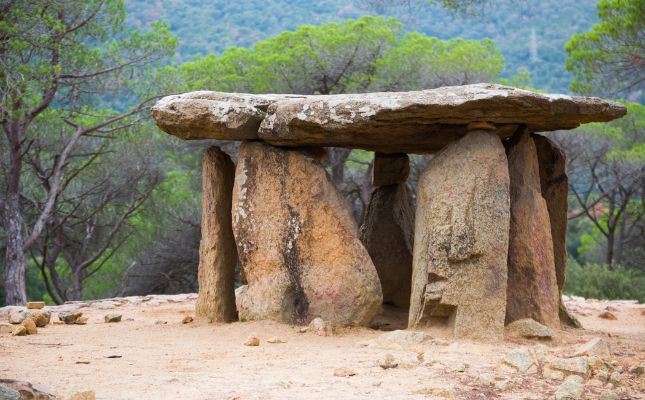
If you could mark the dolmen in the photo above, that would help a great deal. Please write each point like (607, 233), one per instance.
(482, 246)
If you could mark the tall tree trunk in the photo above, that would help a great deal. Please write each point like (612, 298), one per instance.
(610, 250)
(337, 158)
(77, 285)
(14, 274)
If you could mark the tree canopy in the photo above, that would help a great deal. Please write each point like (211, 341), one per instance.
(610, 59)
(367, 54)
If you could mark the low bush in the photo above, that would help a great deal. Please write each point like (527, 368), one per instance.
(598, 281)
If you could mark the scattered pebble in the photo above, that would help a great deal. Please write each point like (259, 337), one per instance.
(574, 365)
(19, 330)
(595, 347)
(30, 325)
(442, 392)
(69, 317)
(572, 389)
(252, 340)
(86, 395)
(17, 315)
(40, 317)
(276, 340)
(35, 305)
(608, 395)
(81, 321)
(5, 328)
(530, 329)
(187, 319)
(161, 322)
(343, 372)
(388, 362)
(607, 315)
(321, 327)
(113, 317)
(519, 359)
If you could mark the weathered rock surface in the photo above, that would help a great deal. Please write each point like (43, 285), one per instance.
(554, 184)
(407, 122)
(19, 330)
(17, 314)
(532, 286)
(595, 347)
(519, 359)
(217, 250)
(390, 169)
(298, 243)
(461, 239)
(112, 317)
(410, 122)
(27, 390)
(321, 327)
(30, 325)
(573, 388)
(35, 305)
(574, 365)
(252, 340)
(388, 231)
(7, 393)
(530, 329)
(212, 115)
(5, 328)
(69, 317)
(40, 317)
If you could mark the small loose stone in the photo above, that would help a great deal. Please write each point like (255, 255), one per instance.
(81, 321)
(344, 372)
(30, 325)
(69, 317)
(388, 362)
(19, 330)
(607, 315)
(113, 317)
(35, 305)
(252, 340)
(187, 319)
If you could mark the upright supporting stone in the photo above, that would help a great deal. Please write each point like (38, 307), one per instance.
(298, 243)
(532, 284)
(554, 184)
(217, 251)
(388, 227)
(461, 239)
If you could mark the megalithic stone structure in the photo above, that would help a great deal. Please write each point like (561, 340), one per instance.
(217, 250)
(554, 184)
(461, 239)
(532, 284)
(489, 226)
(388, 227)
(298, 242)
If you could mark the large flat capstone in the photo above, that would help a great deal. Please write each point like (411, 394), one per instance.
(407, 122)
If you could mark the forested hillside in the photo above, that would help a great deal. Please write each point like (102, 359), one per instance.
(530, 34)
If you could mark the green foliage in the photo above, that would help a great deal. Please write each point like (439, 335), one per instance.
(361, 55)
(598, 281)
(610, 58)
(531, 34)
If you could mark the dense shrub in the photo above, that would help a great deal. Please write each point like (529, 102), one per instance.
(599, 282)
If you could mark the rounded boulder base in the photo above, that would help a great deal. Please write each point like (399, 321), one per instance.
(298, 243)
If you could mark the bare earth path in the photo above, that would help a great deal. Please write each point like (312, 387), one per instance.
(209, 361)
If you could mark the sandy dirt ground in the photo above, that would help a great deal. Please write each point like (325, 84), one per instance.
(143, 358)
